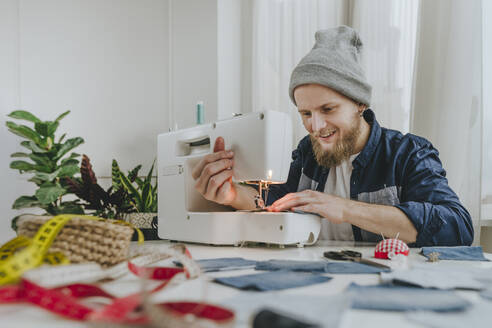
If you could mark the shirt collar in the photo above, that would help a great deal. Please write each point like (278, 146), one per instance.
(374, 137)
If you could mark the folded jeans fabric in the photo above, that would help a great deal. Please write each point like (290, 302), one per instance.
(224, 264)
(438, 275)
(462, 253)
(397, 298)
(318, 266)
(275, 280)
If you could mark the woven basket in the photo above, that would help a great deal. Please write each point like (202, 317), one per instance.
(83, 240)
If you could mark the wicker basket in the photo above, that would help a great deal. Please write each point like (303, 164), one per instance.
(83, 240)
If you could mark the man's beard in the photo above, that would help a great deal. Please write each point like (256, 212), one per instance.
(343, 148)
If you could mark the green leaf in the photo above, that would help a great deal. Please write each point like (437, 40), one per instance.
(146, 197)
(46, 129)
(137, 198)
(66, 162)
(62, 116)
(68, 146)
(47, 176)
(62, 137)
(132, 175)
(19, 155)
(148, 180)
(70, 160)
(69, 208)
(68, 171)
(140, 183)
(115, 176)
(22, 166)
(24, 115)
(42, 159)
(37, 181)
(25, 202)
(49, 194)
(24, 131)
(33, 147)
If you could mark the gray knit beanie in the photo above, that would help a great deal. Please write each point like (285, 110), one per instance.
(334, 62)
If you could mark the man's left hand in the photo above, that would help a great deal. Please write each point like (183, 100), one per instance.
(326, 205)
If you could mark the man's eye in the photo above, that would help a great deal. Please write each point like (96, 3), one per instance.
(306, 114)
(326, 109)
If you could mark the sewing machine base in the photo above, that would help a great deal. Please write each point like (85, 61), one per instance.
(235, 228)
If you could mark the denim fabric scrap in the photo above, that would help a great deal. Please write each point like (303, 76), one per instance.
(224, 264)
(438, 275)
(275, 280)
(318, 266)
(324, 310)
(461, 253)
(290, 265)
(352, 268)
(487, 294)
(397, 298)
(477, 315)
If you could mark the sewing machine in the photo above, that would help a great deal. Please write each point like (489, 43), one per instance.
(262, 145)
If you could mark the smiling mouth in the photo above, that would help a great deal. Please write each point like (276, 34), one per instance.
(327, 135)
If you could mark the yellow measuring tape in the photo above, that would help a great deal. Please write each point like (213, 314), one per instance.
(35, 251)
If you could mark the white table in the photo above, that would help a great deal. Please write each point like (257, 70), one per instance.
(202, 289)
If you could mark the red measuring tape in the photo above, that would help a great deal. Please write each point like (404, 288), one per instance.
(65, 301)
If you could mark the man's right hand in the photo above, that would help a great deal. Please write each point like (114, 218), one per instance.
(213, 175)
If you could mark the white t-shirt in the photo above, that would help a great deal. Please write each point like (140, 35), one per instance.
(338, 184)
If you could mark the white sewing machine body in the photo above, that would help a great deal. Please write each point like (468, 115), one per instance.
(262, 145)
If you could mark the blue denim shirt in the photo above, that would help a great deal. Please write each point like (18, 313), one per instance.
(392, 169)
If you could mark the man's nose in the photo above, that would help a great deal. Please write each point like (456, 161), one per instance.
(317, 122)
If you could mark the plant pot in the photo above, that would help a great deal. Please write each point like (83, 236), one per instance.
(146, 222)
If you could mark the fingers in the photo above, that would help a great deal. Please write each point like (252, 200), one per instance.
(219, 144)
(292, 200)
(308, 208)
(215, 183)
(210, 171)
(211, 158)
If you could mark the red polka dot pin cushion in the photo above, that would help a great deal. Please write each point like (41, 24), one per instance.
(388, 248)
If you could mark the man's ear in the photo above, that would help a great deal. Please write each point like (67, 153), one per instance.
(361, 108)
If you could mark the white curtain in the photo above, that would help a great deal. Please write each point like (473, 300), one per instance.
(283, 32)
(487, 112)
(447, 99)
(389, 30)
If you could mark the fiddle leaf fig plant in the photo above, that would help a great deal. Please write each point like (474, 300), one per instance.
(48, 160)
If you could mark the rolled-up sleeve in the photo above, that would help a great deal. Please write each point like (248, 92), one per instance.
(431, 205)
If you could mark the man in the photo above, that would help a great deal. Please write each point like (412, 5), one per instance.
(365, 180)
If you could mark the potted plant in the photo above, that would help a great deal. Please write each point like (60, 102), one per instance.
(128, 198)
(143, 196)
(111, 203)
(48, 159)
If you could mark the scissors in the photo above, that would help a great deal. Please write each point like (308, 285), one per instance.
(347, 255)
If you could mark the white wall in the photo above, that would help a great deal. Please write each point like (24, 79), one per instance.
(229, 56)
(194, 59)
(11, 184)
(119, 66)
